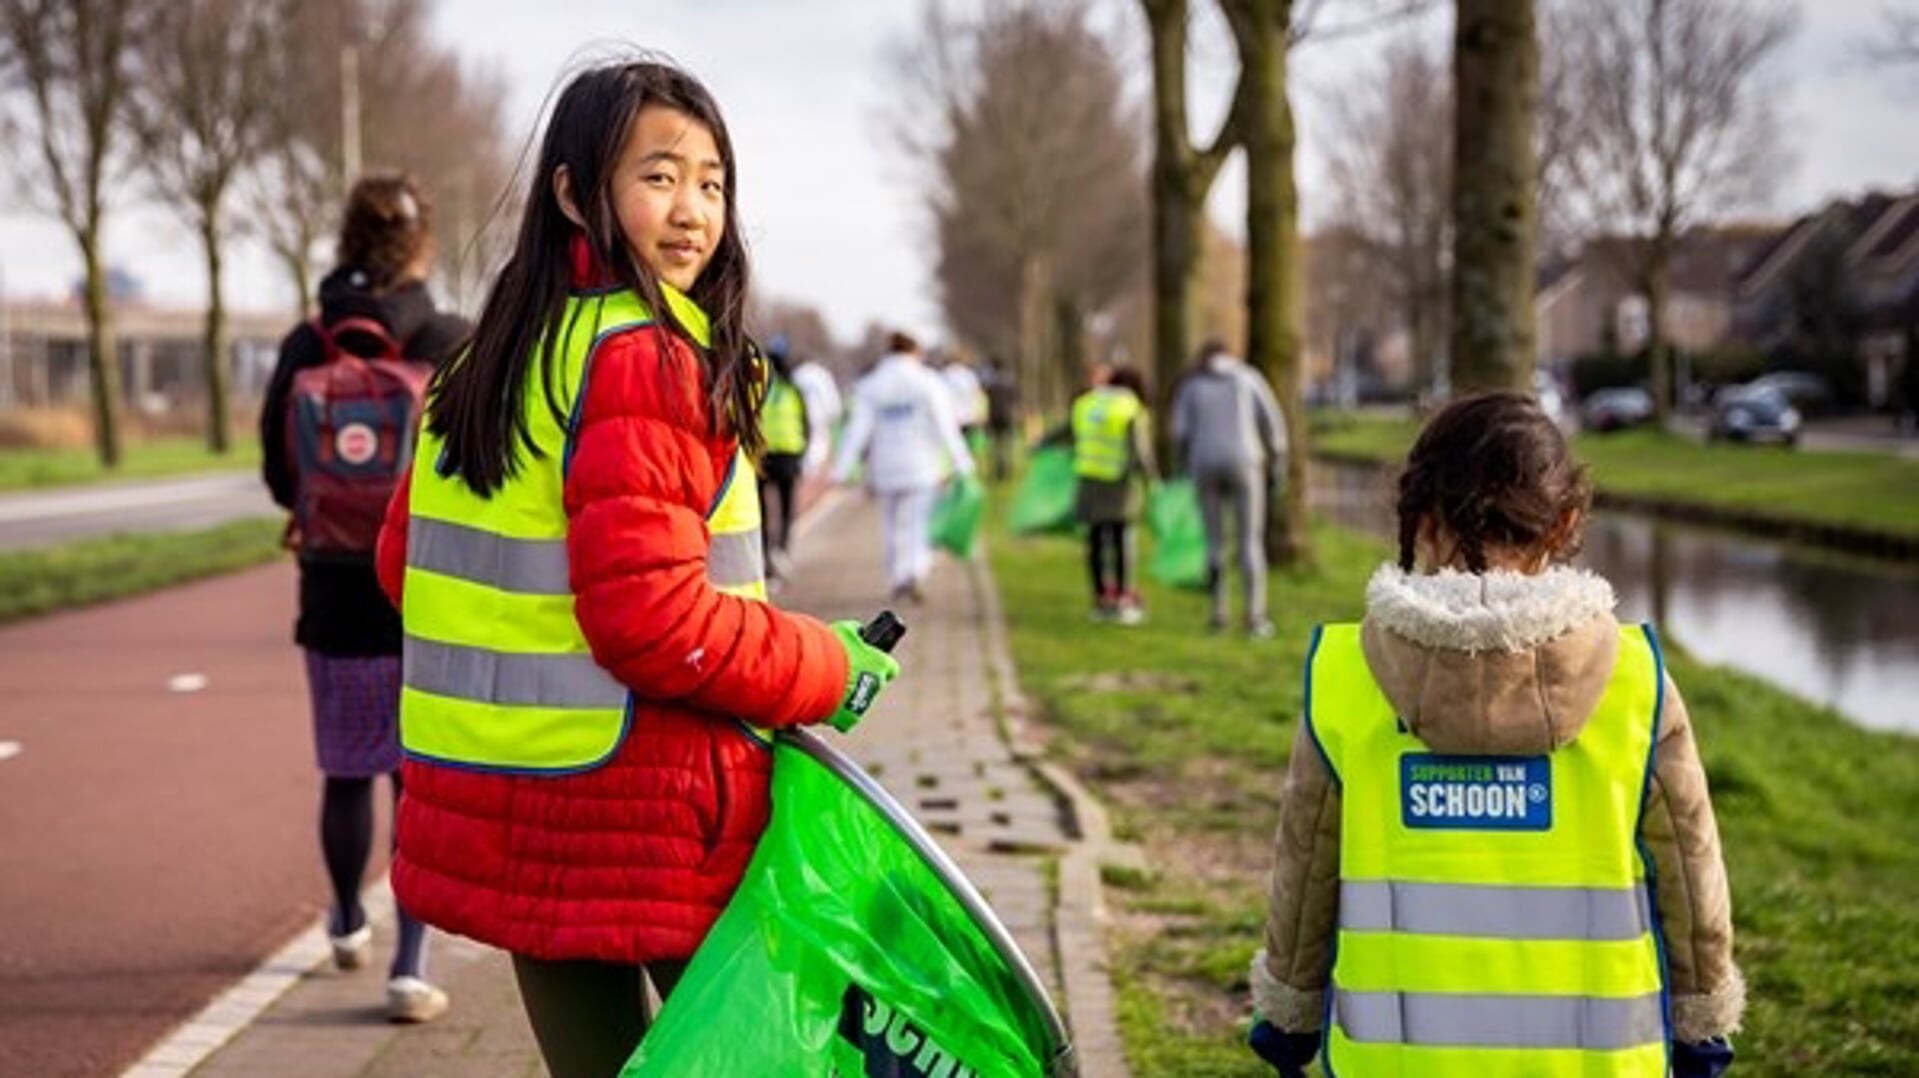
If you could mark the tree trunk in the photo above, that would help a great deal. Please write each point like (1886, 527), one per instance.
(1272, 272)
(214, 339)
(1069, 344)
(103, 358)
(1176, 211)
(1496, 79)
(1658, 353)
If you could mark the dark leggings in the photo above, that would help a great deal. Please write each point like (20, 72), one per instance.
(589, 1016)
(782, 479)
(346, 841)
(1108, 558)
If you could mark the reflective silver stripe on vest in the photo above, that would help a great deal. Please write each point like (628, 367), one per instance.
(523, 566)
(1436, 1019)
(1489, 911)
(511, 679)
(734, 560)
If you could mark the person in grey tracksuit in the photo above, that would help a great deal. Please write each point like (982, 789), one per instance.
(1228, 432)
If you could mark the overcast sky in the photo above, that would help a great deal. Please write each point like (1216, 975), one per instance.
(829, 208)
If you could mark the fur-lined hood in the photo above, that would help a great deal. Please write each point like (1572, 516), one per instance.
(1499, 662)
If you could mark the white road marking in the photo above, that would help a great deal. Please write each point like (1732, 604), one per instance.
(186, 683)
(10, 749)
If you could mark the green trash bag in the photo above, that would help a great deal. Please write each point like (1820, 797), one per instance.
(1045, 498)
(852, 949)
(1179, 535)
(956, 516)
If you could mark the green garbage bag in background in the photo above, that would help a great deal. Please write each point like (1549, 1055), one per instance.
(1179, 535)
(956, 516)
(847, 954)
(1044, 501)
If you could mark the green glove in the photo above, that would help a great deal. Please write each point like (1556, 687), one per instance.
(868, 669)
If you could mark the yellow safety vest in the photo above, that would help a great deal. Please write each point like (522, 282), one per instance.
(783, 419)
(1102, 447)
(1495, 913)
(497, 675)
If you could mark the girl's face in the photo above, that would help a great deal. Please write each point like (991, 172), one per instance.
(669, 193)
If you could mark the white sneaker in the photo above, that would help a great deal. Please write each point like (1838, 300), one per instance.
(412, 1000)
(351, 950)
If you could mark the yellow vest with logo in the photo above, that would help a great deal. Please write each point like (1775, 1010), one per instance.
(783, 419)
(1495, 913)
(497, 675)
(1102, 446)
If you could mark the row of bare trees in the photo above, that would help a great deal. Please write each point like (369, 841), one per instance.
(243, 116)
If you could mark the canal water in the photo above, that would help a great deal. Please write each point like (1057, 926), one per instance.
(1840, 631)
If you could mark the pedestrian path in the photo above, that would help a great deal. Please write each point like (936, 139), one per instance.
(934, 740)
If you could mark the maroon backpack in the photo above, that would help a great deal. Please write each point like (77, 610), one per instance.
(351, 428)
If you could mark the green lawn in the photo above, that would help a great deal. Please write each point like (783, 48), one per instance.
(1864, 490)
(41, 581)
(23, 468)
(1186, 737)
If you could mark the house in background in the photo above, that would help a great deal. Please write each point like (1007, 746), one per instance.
(43, 354)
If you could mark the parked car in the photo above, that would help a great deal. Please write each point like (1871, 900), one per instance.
(1805, 391)
(1754, 413)
(1616, 409)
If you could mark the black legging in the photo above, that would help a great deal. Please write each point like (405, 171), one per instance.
(1107, 544)
(781, 479)
(589, 1016)
(346, 841)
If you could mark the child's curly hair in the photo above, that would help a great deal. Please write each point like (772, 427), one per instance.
(388, 222)
(1492, 468)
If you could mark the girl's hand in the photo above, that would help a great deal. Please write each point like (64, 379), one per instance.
(868, 670)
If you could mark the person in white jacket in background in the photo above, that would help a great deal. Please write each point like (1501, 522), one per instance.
(903, 426)
(823, 406)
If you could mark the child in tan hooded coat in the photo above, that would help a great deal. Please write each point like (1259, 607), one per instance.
(1485, 644)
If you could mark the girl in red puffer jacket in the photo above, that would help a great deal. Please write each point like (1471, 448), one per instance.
(589, 670)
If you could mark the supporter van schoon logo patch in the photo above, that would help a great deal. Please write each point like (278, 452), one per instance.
(1475, 793)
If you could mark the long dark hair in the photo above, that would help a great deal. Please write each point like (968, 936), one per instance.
(476, 405)
(1492, 468)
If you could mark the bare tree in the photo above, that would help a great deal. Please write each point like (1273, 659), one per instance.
(206, 72)
(1392, 164)
(1898, 41)
(1033, 162)
(1496, 91)
(1676, 126)
(70, 59)
(1184, 171)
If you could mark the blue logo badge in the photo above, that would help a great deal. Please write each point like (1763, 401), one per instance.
(1475, 793)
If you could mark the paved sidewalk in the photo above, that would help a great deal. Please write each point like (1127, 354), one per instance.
(932, 740)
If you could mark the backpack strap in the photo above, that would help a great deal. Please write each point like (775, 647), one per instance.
(357, 326)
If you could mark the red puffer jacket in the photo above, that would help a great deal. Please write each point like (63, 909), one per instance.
(632, 861)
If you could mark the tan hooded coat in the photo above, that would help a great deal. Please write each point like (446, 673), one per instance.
(1505, 664)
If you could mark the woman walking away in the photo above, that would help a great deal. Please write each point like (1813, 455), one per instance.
(904, 428)
(1231, 440)
(373, 304)
(783, 423)
(1112, 448)
(1496, 854)
(590, 670)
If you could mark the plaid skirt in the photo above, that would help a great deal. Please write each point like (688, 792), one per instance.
(356, 711)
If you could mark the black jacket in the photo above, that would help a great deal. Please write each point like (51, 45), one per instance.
(343, 612)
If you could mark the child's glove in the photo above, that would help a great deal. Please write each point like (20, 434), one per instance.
(868, 669)
(1287, 1052)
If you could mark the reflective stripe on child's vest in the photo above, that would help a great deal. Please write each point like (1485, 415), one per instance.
(1495, 913)
(1102, 448)
(497, 675)
(783, 420)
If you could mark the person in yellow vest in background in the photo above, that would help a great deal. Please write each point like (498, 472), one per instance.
(1112, 450)
(783, 424)
(1496, 854)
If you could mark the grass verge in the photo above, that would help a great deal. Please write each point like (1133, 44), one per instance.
(1186, 737)
(43, 580)
(1875, 491)
(22, 469)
